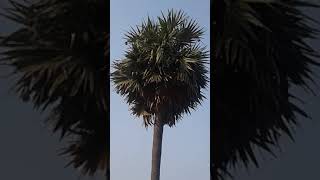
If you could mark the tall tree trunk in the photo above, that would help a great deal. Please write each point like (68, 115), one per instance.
(156, 150)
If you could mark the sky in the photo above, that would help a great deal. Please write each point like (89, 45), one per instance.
(186, 147)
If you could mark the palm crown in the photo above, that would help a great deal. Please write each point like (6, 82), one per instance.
(164, 70)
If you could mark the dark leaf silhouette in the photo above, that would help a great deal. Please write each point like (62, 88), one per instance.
(259, 51)
(58, 55)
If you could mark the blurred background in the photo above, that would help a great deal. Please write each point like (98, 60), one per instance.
(28, 149)
(300, 159)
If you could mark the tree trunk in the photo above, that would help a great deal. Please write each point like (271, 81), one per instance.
(156, 150)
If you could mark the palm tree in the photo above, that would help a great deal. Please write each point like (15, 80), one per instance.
(61, 65)
(259, 51)
(162, 73)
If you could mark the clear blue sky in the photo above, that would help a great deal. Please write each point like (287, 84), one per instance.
(186, 147)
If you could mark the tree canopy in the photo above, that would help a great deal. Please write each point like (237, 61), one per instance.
(164, 69)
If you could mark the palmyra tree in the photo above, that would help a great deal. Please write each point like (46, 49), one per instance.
(162, 73)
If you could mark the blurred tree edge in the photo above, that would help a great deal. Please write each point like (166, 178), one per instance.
(60, 57)
(258, 52)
